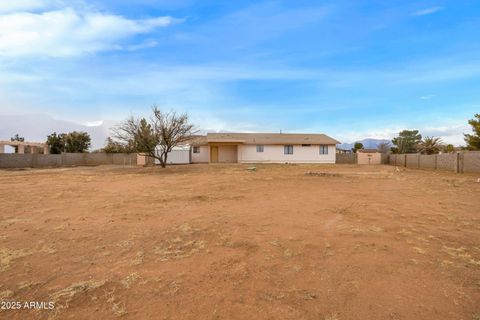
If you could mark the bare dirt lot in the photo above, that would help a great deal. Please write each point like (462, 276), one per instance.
(321, 242)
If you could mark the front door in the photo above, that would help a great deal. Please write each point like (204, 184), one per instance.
(213, 154)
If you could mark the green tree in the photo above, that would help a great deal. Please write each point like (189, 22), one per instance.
(406, 142)
(77, 142)
(357, 146)
(473, 140)
(449, 148)
(17, 137)
(145, 140)
(56, 143)
(113, 146)
(430, 145)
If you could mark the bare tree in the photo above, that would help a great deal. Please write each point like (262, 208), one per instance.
(156, 137)
(383, 147)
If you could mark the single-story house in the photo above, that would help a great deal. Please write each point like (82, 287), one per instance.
(263, 147)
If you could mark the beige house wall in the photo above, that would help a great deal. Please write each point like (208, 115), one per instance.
(275, 154)
(369, 158)
(227, 154)
(203, 156)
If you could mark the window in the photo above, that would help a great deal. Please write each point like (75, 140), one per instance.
(323, 149)
(259, 147)
(196, 149)
(288, 149)
(306, 145)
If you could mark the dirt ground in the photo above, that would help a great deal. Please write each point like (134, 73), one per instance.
(328, 242)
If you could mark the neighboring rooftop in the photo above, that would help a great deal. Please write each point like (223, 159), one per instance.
(22, 143)
(368, 150)
(271, 138)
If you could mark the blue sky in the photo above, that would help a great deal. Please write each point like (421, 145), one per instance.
(351, 69)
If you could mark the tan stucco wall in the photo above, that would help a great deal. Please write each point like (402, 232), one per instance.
(274, 154)
(227, 154)
(203, 156)
(369, 158)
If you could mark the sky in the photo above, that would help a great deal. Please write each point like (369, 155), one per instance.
(351, 69)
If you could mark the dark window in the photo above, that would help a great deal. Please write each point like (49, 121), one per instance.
(288, 149)
(259, 147)
(306, 145)
(196, 149)
(323, 149)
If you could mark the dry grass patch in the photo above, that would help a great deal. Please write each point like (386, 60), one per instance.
(128, 281)
(178, 248)
(461, 253)
(7, 256)
(184, 242)
(419, 250)
(139, 257)
(6, 294)
(332, 316)
(63, 297)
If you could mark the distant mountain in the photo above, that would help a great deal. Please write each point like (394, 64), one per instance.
(36, 128)
(367, 143)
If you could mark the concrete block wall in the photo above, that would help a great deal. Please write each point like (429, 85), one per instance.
(392, 159)
(16, 160)
(385, 158)
(401, 160)
(97, 158)
(471, 162)
(468, 162)
(346, 158)
(73, 159)
(413, 161)
(428, 161)
(446, 161)
(28, 160)
(49, 160)
(124, 159)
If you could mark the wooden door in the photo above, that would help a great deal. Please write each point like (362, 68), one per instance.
(214, 154)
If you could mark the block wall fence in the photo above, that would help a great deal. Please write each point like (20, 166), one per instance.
(34, 160)
(459, 162)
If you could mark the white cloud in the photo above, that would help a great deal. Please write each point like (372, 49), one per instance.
(93, 123)
(144, 45)
(67, 32)
(22, 5)
(427, 97)
(427, 11)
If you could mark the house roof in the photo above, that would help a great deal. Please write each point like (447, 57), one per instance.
(270, 138)
(197, 140)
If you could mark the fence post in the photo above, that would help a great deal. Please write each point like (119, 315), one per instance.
(457, 162)
(34, 159)
(462, 162)
(405, 162)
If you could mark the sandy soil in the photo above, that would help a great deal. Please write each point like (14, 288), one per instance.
(221, 242)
